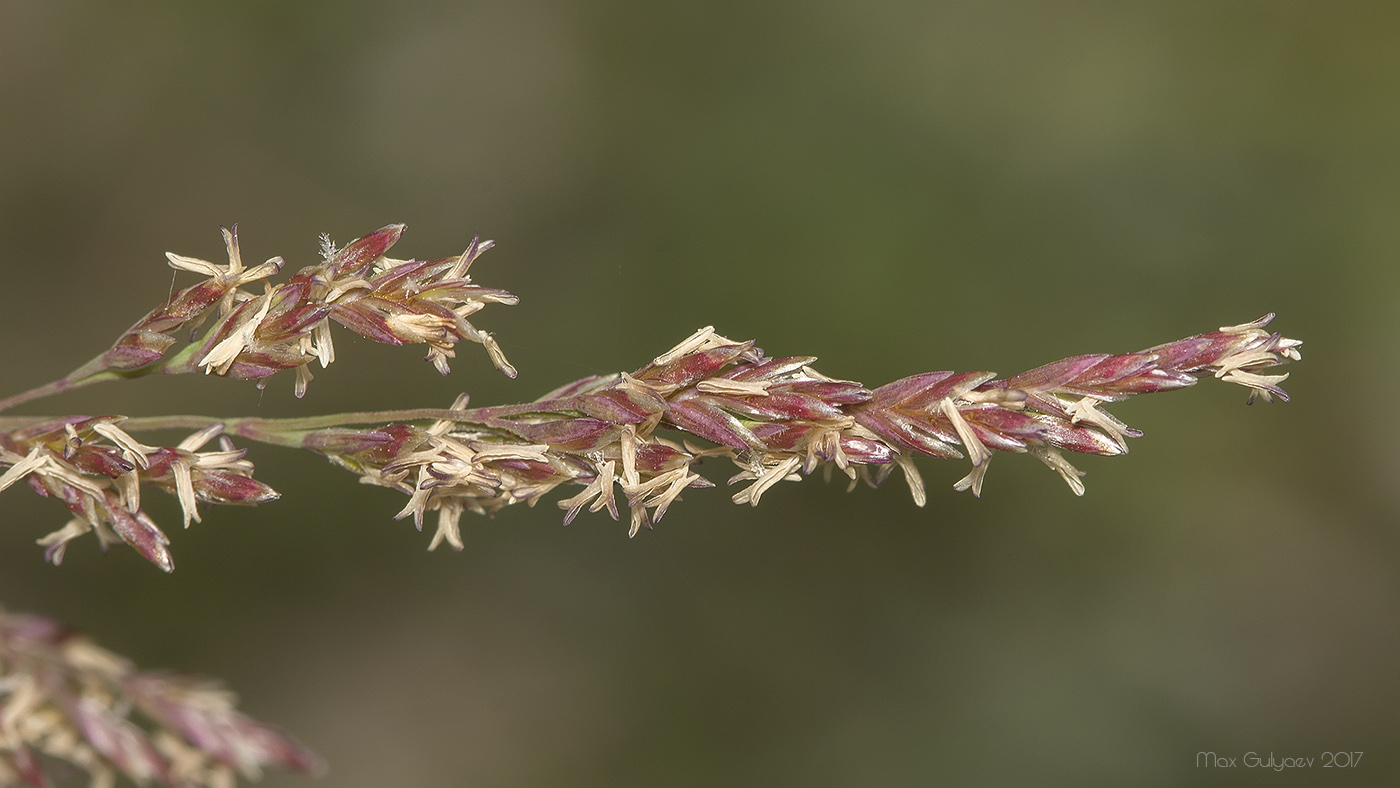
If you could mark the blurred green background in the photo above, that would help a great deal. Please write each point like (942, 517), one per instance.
(892, 186)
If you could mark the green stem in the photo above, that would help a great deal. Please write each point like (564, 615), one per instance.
(95, 371)
(289, 432)
(308, 423)
(240, 424)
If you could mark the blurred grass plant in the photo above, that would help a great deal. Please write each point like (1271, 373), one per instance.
(630, 440)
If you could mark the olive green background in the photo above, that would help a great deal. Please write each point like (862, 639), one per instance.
(892, 186)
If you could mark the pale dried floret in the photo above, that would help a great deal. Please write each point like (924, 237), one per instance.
(734, 388)
(599, 491)
(660, 491)
(418, 501)
(1014, 399)
(449, 513)
(1266, 386)
(627, 446)
(184, 491)
(231, 276)
(825, 442)
(304, 378)
(976, 450)
(322, 344)
(486, 452)
(498, 356)
(606, 478)
(221, 357)
(196, 440)
(345, 286)
(129, 487)
(421, 328)
(686, 346)
(974, 479)
(1087, 410)
(1244, 360)
(464, 262)
(56, 543)
(1056, 461)
(1254, 328)
(133, 450)
(36, 459)
(766, 470)
(915, 481)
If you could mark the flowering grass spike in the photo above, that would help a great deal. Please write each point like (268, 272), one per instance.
(633, 440)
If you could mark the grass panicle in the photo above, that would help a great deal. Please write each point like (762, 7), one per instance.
(632, 441)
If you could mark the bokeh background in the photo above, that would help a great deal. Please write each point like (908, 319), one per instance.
(892, 186)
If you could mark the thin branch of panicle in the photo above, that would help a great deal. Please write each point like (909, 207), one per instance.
(287, 326)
